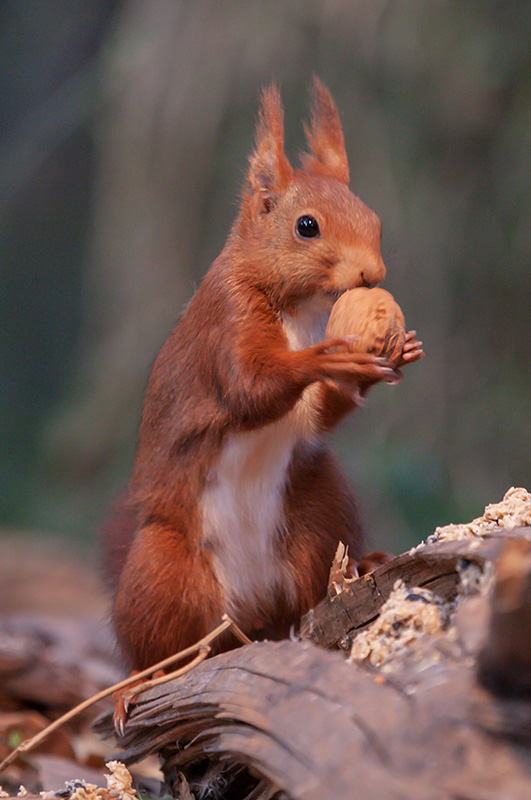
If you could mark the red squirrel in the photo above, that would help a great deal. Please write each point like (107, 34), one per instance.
(236, 503)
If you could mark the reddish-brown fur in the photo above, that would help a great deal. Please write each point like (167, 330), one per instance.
(227, 370)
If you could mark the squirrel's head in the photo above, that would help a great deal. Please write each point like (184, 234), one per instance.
(305, 232)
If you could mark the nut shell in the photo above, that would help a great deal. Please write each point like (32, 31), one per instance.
(375, 319)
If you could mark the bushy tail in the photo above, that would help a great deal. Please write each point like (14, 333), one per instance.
(116, 537)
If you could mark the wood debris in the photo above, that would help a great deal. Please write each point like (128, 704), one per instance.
(119, 787)
(514, 511)
(408, 614)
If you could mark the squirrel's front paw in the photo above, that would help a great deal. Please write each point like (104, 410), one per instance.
(334, 364)
(368, 563)
(412, 350)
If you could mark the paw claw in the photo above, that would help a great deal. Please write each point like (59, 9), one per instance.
(119, 718)
(122, 703)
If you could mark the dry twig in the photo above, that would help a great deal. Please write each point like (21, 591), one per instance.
(202, 647)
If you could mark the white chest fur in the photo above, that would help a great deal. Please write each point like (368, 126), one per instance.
(243, 506)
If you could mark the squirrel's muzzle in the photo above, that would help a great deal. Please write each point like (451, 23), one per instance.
(358, 267)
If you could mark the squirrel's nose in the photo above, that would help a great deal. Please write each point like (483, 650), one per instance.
(371, 274)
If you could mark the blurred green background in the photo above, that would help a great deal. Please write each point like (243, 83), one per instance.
(125, 129)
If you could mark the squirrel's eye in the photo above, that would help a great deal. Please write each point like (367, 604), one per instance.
(307, 227)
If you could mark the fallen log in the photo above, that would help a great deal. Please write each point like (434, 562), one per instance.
(293, 720)
(352, 604)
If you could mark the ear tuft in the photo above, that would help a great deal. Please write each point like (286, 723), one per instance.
(270, 171)
(325, 137)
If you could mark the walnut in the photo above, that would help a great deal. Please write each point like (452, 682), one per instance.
(373, 318)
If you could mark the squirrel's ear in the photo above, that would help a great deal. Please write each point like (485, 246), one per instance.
(270, 171)
(325, 138)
